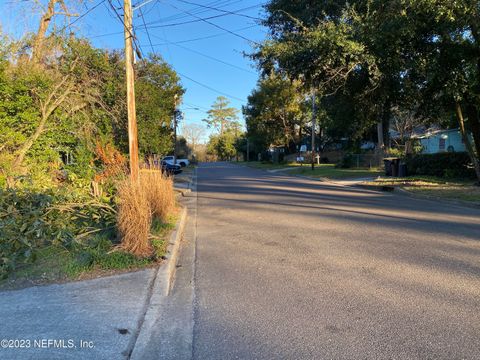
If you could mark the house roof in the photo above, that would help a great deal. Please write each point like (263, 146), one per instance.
(430, 132)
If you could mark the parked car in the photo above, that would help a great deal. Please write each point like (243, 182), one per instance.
(170, 169)
(181, 162)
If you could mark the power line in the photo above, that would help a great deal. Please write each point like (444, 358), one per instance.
(180, 23)
(204, 55)
(189, 78)
(209, 87)
(221, 10)
(148, 34)
(205, 37)
(81, 16)
(217, 26)
(134, 39)
(198, 10)
(183, 41)
(198, 19)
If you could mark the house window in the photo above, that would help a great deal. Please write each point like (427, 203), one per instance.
(441, 144)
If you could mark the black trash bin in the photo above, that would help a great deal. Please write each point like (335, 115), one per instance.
(395, 166)
(392, 166)
(388, 167)
(402, 170)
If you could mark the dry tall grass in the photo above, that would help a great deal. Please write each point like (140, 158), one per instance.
(134, 218)
(151, 197)
(159, 192)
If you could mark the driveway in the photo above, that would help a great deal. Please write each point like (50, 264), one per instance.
(290, 268)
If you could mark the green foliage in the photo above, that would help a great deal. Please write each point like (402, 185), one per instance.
(156, 88)
(346, 162)
(222, 146)
(221, 115)
(31, 220)
(273, 112)
(449, 165)
(97, 254)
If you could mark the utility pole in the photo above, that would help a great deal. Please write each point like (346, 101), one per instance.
(236, 143)
(314, 125)
(175, 130)
(248, 149)
(132, 118)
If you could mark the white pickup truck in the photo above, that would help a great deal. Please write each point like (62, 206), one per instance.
(181, 162)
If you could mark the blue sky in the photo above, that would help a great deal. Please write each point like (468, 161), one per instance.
(180, 37)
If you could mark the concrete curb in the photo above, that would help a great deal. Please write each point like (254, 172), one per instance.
(159, 287)
(166, 272)
(188, 189)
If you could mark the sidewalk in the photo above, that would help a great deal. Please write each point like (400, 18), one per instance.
(104, 313)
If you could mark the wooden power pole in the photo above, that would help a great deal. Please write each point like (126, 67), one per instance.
(175, 97)
(314, 125)
(132, 118)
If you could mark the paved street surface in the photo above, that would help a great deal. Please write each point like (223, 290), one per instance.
(289, 268)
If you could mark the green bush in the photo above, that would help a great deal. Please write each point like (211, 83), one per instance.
(449, 165)
(31, 220)
(346, 162)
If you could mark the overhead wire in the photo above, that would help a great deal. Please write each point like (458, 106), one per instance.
(215, 25)
(198, 10)
(220, 10)
(177, 24)
(197, 18)
(223, 33)
(81, 16)
(193, 80)
(138, 48)
(204, 55)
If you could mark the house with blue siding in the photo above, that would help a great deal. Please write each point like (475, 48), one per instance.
(442, 141)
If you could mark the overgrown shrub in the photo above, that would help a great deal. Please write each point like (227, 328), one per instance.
(31, 220)
(451, 165)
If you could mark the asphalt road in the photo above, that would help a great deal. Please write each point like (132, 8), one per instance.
(289, 268)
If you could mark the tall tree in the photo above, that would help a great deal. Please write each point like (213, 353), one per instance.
(273, 112)
(157, 85)
(221, 114)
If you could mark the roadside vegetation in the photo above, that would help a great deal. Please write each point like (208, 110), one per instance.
(67, 206)
(330, 171)
(374, 75)
(435, 187)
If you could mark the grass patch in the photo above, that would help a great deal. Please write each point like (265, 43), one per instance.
(444, 188)
(267, 165)
(423, 180)
(450, 192)
(161, 232)
(331, 172)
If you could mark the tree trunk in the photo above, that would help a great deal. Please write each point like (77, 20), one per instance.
(386, 115)
(466, 140)
(38, 44)
(380, 143)
(22, 152)
(47, 109)
(474, 122)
